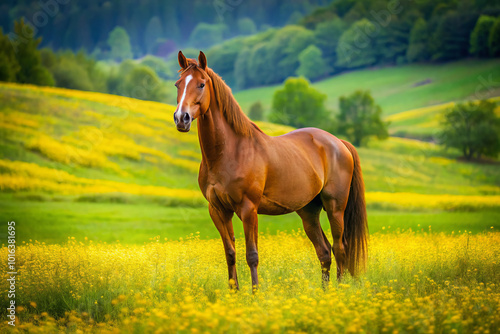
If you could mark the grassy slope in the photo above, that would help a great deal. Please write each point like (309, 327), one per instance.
(129, 145)
(396, 89)
(422, 122)
(54, 222)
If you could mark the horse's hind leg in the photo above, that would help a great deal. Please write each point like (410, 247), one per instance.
(335, 211)
(312, 227)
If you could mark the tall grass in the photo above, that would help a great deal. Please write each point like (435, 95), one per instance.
(414, 283)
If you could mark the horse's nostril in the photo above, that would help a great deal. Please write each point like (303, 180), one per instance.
(186, 118)
(175, 118)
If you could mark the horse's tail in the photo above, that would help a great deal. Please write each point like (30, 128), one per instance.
(355, 219)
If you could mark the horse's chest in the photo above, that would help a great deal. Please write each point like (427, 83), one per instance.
(222, 190)
(220, 195)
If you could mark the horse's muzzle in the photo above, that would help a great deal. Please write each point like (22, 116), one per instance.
(183, 122)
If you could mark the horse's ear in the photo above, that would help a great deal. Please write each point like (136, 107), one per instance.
(202, 60)
(183, 63)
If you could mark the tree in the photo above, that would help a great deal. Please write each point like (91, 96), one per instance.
(223, 59)
(241, 66)
(299, 105)
(419, 35)
(480, 36)
(392, 41)
(494, 39)
(246, 26)
(452, 36)
(256, 112)
(356, 46)
(356, 13)
(327, 35)
(31, 70)
(119, 42)
(312, 64)
(275, 58)
(359, 118)
(9, 65)
(152, 34)
(473, 128)
(205, 35)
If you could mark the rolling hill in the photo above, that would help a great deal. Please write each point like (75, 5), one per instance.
(401, 88)
(423, 123)
(71, 159)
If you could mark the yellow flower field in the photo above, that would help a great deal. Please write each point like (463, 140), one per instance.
(22, 176)
(415, 283)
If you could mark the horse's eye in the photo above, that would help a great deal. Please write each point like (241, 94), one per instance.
(202, 85)
(176, 85)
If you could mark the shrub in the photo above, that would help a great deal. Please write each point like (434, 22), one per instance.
(158, 65)
(70, 74)
(256, 112)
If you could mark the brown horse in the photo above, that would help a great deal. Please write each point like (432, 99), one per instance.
(247, 172)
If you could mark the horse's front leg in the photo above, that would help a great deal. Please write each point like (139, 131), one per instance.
(248, 215)
(222, 220)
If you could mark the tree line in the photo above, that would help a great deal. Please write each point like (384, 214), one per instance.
(145, 79)
(154, 26)
(352, 34)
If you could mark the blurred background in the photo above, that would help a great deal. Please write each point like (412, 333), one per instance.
(88, 147)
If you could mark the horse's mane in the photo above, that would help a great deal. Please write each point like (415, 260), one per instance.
(226, 102)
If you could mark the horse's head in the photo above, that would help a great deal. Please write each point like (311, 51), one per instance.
(193, 91)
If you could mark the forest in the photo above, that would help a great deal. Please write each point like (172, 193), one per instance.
(277, 38)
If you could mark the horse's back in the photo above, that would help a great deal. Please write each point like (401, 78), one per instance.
(318, 143)
(300, 164)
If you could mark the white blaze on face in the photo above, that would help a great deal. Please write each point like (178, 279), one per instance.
(179, 112)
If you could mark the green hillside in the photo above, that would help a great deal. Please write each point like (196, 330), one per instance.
(422, 122)
(402, 88)
(111, 167)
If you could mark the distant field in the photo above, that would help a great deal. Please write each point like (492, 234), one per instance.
(402, 88)
(106, 167)
(421, 122)
(54, 222)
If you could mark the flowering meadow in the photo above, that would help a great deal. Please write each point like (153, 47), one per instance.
(65, 142)
(99, 168)
(415, 283)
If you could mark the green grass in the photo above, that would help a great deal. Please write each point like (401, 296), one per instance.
(397, 89)
(54, 222)
(424, 122)
(405, 165)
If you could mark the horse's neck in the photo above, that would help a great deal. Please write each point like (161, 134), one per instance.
(213, 132)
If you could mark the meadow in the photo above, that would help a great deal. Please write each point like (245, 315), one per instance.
(421, 282)
(402, 88)
(114, 236)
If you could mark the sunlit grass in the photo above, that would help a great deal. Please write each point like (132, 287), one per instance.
(415, 282)
(422, 121)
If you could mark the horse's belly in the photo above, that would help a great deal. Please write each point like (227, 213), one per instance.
(269, 207)
(285, 199)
